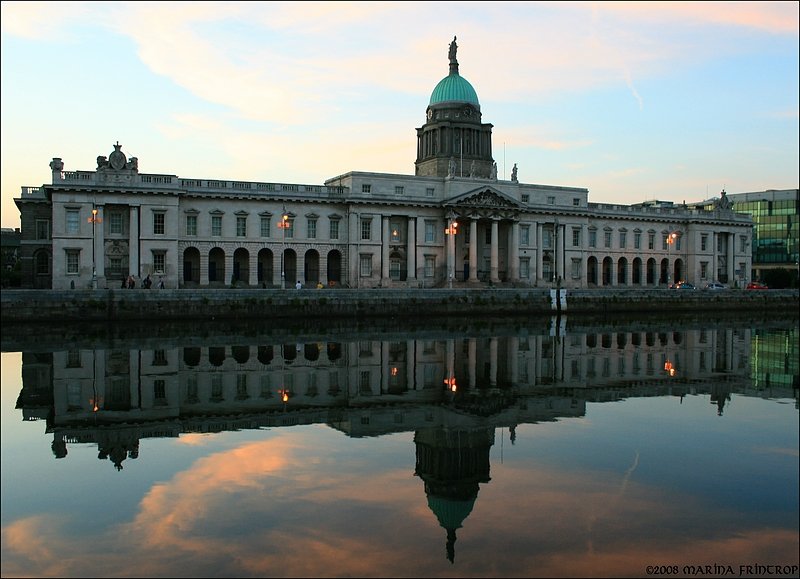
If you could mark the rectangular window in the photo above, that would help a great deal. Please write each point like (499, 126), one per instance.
(664, 241)
(576, 268)
(366, 188)
(547, 238)
(191, 225)
(159, 261)
(637, 240)
(607, 238)
(160, 391)
(266, 226)
(288, 231)
(42, 229)
(399, 190)
(334, 228)
(115, 223)
(525, 268)
(551, 200)
(74, 359)
(158, 223)
(576, 237)
(576, 201)
(312, 228)
(395, 233)
(742, 243)
(159, 358)
(366, 229)
(73, 261)
(487, 237)
(592, 238)
(651, 241)
(42, 263)
(216, 225)
(703, 269)
(703, 242)
(525, 235)
(366, 266)
(430, 265)
(525, 197)
(73, 223)
(429, 192)
(241, 226)
(623, 239)
(430, 231)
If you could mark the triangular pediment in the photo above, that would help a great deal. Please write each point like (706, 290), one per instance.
(484, 197)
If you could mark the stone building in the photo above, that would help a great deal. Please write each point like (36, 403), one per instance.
(452, 223)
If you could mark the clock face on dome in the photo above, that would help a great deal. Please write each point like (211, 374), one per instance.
(430, 114)
(467, 111)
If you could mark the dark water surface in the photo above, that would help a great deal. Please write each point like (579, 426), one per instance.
(512, 448)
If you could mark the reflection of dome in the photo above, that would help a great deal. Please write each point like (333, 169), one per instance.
(454, 88)
(451, 514)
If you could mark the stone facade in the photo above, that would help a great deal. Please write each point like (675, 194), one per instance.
(452, 224)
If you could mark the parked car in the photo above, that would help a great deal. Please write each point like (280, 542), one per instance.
(684, 285)
(715, 286)
(757, 285)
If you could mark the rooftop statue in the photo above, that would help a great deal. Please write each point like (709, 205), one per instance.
(453, 48)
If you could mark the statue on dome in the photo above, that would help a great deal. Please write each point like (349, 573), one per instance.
(493, 175)
(514, 173)
(451, 168)
(453, 48)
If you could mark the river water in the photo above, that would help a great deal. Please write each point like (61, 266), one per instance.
(545, 447)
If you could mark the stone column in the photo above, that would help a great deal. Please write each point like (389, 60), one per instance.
(385, 238)
(411, 250)
(252, 270)
(493, 361)
(228, 267)
(513, 251)
(353, 237)
(99, 248)
(539, 252)
(133, 245)
(731, 258)
(493, 273)
(473, 249)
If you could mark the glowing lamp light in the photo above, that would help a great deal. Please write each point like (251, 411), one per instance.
(284, 395)
(451, 383)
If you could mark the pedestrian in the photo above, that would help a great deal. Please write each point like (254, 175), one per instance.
(131, 282)
(298, 285)
(160, 282)
(147, 282)
(124, 282)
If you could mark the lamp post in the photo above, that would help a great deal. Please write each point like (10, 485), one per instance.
(283, 224)
(670, 240)
(450, 231)
(94, 219)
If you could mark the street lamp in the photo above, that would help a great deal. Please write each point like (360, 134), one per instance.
(283, 224)
(451, 230)
(670, 240)
(93, 220)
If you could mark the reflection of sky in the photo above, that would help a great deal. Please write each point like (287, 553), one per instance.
(637, 482)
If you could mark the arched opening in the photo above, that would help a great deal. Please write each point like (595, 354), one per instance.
(636, 272)
(591, 271)
(216, 266)
(241, 266)
(334, 267)
(191, 266)
(311, 274)
(265, 267)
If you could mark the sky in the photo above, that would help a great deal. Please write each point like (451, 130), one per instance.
(634, 101)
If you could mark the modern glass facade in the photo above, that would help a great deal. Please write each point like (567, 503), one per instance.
(776, 227)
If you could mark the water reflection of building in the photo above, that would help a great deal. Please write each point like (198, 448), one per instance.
(452, 392)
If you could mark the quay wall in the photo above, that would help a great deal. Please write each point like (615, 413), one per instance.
(251, 304)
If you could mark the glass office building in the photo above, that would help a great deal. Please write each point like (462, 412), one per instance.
(776, 234)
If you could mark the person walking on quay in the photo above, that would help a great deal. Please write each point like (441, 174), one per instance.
(160, 282)
(298, 285)
(147, 282)
(131, 282)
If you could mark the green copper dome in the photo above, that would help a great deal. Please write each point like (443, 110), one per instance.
(454, 87)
